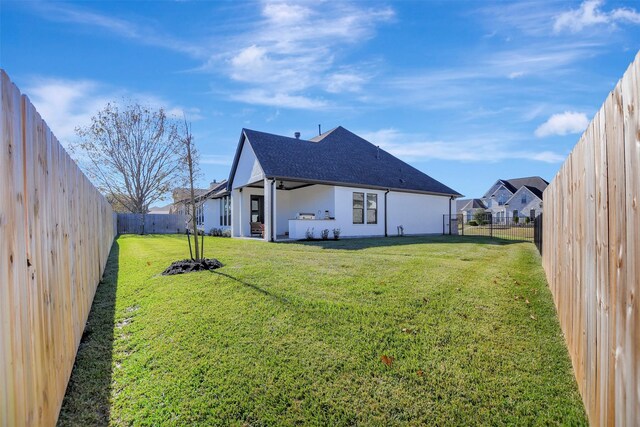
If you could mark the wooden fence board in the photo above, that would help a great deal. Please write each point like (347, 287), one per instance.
(57, 230)
(629, 331)
(591, 256)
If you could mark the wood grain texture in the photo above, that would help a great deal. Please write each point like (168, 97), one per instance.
(591, 256)
(56, 232)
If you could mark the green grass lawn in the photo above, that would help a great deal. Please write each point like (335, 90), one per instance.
(523, 233)
(295, 334)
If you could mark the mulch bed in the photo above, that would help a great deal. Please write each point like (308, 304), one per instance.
(188, 266)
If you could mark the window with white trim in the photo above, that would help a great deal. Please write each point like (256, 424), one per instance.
(358, 208)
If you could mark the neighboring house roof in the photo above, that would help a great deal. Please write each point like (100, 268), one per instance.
(217, 190)
(461, 203)
(166, 209)
(532, 182)
(180, 194)
(474, 204)
(534, 191)
(336, 157)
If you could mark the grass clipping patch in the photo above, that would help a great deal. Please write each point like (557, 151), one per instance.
(188, 266)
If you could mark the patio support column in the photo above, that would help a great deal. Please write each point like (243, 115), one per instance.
(268, 203)
(241, 228)
(274, 217)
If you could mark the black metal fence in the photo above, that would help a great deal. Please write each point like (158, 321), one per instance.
(495, 226)
(537, 233)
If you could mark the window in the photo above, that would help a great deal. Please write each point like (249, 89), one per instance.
(372, 208)
(524, 199)
(358, 208)
(532, 214)
(225, 211)
(200, 215)
(222, 211)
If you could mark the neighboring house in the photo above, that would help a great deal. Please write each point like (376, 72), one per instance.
(213, 206)
(182, 199)
(521, 197)
(469, 207)
(336, 180)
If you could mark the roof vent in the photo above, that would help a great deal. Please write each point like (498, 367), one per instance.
(297, 135)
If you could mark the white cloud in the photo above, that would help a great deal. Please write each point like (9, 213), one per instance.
(563, 124)
(345, 82)
(61, 12)
(284, 100)
(486, 149)
(589, 15)
(215, 159)
(67, 104)
(294, 49)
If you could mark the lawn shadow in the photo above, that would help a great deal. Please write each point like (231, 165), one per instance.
(355, 244)
(87, 398)
(254, 287)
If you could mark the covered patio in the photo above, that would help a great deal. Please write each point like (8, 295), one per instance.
(280, 209)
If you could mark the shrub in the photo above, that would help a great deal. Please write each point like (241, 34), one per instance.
(527, 220)
(324, 234)
(516, 219)
(225, 233)
(309, 233)
(336, 233)
(472, 222)
(479, 216)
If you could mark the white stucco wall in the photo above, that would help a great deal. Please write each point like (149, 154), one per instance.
(344, 213)
(248, 170)
(417, 213)
(211, 214)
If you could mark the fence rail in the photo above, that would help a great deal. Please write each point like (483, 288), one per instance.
(56, 231)
(591, 256)
(488, 225)
(129, 223)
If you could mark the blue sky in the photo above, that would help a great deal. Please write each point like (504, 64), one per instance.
(466, 91)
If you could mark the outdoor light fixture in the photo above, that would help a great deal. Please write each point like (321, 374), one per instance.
(281, 186)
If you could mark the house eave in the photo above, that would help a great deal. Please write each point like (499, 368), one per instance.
(356, 185)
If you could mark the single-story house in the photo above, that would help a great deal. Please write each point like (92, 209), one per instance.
(285, 188)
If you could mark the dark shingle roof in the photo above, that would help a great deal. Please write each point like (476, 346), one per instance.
(531, 182)
(535, 191)
(470, 204)
(340, 157)
(461, 203)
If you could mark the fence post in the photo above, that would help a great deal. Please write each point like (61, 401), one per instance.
(490, 225)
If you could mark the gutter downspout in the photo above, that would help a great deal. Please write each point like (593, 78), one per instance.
(450, 200)
(385, 213)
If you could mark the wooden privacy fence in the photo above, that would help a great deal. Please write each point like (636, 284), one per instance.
(129, 223)
(56, 231)
(591, 256)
